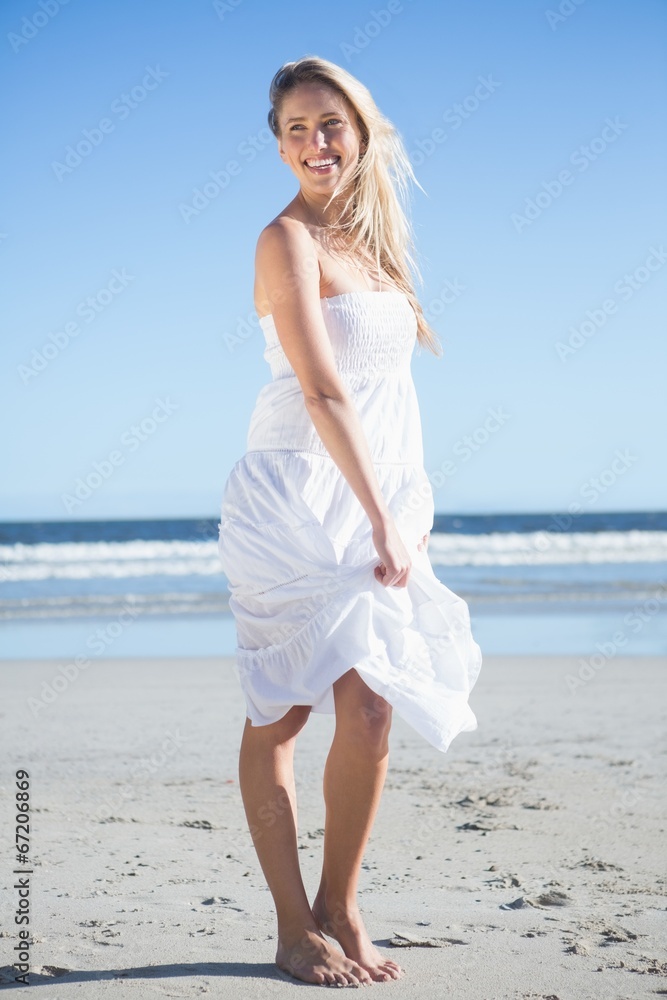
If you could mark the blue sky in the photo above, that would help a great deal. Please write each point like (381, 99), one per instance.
(130, 344)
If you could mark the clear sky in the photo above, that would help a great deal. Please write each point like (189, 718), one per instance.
(130, 345)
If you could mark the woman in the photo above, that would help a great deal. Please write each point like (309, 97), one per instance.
(325, 519)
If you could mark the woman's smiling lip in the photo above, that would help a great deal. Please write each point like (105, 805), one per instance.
(323, 169)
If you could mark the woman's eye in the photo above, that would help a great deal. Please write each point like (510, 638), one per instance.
(329, 120)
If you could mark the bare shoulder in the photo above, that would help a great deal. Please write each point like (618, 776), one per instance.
(287, 285)
(284, 234)
(285, 258)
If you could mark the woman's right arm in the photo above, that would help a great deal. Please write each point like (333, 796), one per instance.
(288, 269)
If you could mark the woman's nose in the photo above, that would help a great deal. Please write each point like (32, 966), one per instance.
(317, 140)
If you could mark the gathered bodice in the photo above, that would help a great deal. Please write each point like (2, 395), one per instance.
(369, 332)
(373, 335)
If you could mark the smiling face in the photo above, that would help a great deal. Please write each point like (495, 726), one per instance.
(320, 139)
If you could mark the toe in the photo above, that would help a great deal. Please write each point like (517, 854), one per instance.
(392, 968)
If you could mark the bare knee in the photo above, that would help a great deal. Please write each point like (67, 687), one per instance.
(362, 715)
(282, 731)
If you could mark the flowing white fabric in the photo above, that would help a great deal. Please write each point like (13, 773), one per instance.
(295, 543)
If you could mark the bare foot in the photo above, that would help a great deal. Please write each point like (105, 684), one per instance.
(347, 927)
(307, 955)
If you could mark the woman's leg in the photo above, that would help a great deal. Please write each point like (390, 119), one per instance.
(266, 777)
(353, 780)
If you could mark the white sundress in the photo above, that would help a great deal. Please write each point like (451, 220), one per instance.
(296, 545)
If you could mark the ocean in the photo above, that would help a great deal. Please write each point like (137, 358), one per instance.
(535, 583)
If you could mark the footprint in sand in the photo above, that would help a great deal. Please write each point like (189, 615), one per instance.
(52, 971)
(486, 826)
(505, 881)
(554, 897)
(616, 935)
(502, 797)
(610, 933)
(597, 865)
(221, 901)
(412, 941)
(545, 900)
(540, 996)
(582, 947)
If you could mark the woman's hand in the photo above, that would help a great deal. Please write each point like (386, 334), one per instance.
(396, 563)
(424, 542)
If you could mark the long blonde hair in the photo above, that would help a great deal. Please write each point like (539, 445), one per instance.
(378, 226)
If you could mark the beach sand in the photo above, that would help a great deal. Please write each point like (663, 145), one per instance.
(526, 862)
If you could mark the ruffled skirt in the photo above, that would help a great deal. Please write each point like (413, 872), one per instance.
(296, 547)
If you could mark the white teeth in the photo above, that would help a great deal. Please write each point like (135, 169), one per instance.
(322, 163)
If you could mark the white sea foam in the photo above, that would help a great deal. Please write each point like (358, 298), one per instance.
(91, 560)
(540, 548)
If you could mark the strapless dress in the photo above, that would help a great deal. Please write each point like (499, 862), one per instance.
(296, 545)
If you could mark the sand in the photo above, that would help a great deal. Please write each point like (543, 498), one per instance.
(527, 862)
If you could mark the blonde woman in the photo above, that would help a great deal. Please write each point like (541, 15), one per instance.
(326, 518)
